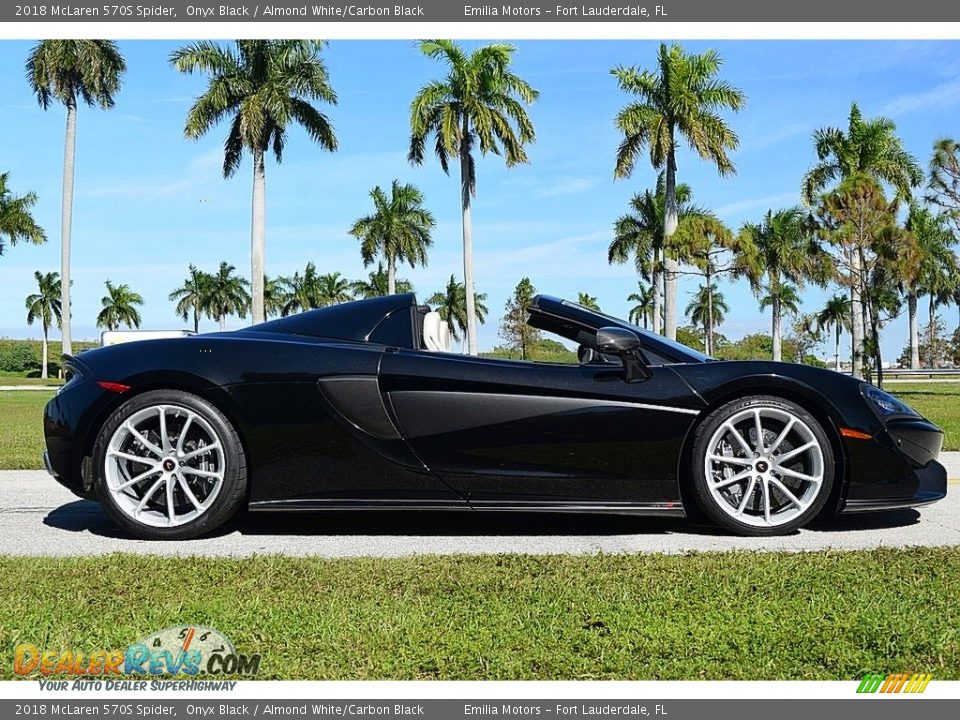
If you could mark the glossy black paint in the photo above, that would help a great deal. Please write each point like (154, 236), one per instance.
(341, 407)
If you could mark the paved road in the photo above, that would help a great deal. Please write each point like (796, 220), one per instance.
(38, 517)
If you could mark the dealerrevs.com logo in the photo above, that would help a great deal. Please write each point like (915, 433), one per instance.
(894, 683)
(179, 650)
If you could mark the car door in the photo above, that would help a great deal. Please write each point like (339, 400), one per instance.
(509, 433)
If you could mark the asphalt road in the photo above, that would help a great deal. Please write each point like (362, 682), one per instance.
(38, 517)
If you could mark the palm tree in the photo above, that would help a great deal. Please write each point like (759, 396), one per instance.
(866, 147)
(836, 315)
(333, 289)
(641, 234)
(929, 269)
(303, 291)
(376, 285)
(45, 306)
(119, 307)
(274, 295)
(708, 309)
(783, 299)
(642, 311)
(940, 277)
(479, 101)
(16, 222)
(871, 149)
(945, 177)
(785, 252)
(226, 294)
(682, 96)
(588, 301)
(399, 230)
(189, 296)
(67, 71)
(451, 303)
(263, 86)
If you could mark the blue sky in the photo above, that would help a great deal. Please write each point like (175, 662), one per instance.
(148, 202)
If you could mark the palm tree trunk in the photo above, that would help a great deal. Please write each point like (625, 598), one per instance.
(932, 332)
(391, 275)
(196, 319)
(709, 329)
(657, 287)
(875, 341)
(775, 331)
(836, 349)
(856, 316)
(66, 223)
(467, 227)
(222, 320)
(914, 330)
(670, 222)
(43, 368)
(258, 232)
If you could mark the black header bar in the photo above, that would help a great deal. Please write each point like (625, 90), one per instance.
(627, 11)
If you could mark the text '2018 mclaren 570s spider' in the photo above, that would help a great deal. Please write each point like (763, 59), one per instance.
(362, 406)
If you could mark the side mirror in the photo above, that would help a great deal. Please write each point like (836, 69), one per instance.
(626, 345)
(616, 341)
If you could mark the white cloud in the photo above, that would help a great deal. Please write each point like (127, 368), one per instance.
(569, 258)
(549, 187)
(203, 171)
(765, 203)
(943, 95)
(776, 135)
(567, 186)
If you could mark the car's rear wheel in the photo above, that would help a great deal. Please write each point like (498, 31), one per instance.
(169, 465)
(762, 466)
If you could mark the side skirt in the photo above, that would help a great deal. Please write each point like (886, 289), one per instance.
(315, 505)
(648, 509)
(626, 508)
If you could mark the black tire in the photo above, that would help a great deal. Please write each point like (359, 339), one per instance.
(232, 492)
(794, 515)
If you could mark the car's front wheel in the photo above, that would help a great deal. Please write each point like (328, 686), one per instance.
(169, 465)
(762, 466)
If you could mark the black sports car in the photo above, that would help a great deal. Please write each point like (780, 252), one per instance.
(362, 406)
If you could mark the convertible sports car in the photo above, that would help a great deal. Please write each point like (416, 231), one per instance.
(362, 406)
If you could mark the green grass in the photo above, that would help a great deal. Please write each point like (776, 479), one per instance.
(700, 616)
(21, 429)
(9, 378)
(939, 402)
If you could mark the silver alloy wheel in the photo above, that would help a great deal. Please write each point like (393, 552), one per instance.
(164, 466)
(764, 466)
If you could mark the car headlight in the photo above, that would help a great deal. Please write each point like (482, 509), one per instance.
(885, 404)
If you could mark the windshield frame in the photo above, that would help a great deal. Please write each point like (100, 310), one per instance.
(545, 307)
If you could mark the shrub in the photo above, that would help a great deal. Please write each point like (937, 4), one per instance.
(18, 358)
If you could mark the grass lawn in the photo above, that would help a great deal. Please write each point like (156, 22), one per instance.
(21, 431)
(21, 428)
(939, 402)
(804, 616)
(7, 380)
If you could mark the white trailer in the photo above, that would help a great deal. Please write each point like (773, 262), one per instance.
(115, 337)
